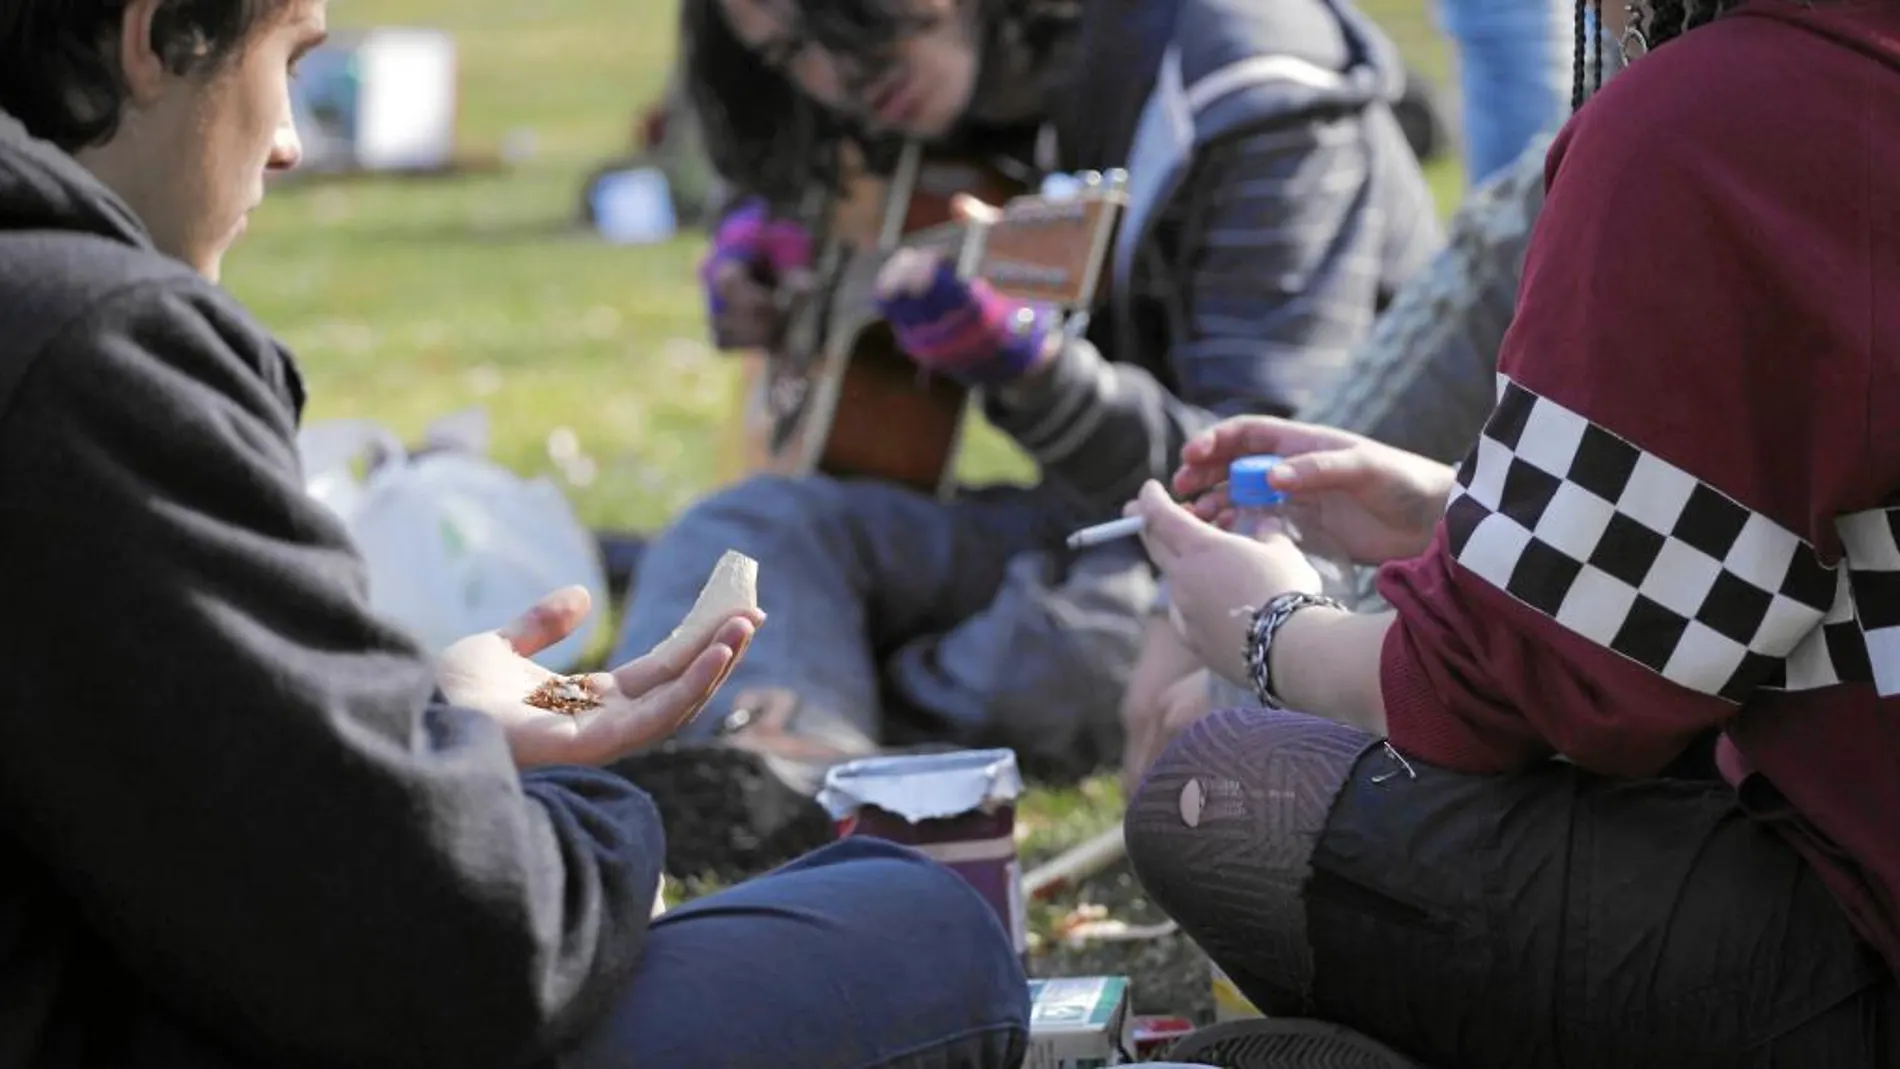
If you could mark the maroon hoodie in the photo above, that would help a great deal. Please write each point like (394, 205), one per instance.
(1682, 514)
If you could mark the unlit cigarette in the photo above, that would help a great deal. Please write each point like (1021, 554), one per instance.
(1076, 864)
(1107, 532)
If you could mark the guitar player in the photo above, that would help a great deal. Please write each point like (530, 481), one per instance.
(1274, 205)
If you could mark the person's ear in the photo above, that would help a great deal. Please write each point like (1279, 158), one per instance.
(140, 63)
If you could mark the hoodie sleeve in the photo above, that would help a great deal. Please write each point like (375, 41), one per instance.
(1642, 538)
(1269, 289)
(241, 776)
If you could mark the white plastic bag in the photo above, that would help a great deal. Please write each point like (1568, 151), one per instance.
(456, 544)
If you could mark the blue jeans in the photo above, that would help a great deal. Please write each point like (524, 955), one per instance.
(1514, 63)
(859, 955)
(963, 613)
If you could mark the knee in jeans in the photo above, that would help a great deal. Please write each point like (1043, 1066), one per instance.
(907, 874)
(861, 849)
(760, 502)
(904, 874)
(973, 945)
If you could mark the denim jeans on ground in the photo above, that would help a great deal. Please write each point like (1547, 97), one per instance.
(861, 955)
(966, 614)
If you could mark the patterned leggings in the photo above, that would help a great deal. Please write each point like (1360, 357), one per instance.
(1546, 917)
(1197, 815)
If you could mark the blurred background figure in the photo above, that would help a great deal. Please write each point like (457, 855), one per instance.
(1514, 67)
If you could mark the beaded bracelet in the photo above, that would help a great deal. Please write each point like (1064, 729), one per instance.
(1267, 621)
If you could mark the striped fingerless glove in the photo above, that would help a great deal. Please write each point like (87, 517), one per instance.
(751, 238)
(968, 331)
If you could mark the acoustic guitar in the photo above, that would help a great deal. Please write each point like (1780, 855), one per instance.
(836, 395)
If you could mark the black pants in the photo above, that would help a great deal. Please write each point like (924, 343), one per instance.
(1550, 917)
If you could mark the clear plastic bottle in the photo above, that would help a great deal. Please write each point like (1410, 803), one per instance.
(1260, 510)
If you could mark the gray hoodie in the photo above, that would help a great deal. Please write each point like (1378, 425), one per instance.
(1275, 207)
(237, 824)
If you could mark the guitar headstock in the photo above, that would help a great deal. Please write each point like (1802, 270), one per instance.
(1049, 248)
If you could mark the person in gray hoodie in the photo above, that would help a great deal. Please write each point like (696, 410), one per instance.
(1274, 207)
(243, 820)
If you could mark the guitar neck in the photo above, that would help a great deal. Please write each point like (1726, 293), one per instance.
(1036, 249)
(948, 240)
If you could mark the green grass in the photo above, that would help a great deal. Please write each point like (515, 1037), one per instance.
(407, 299)
(410, 299)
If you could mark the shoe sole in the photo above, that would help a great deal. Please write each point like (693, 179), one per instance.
(1279, 1043)
(727, 816)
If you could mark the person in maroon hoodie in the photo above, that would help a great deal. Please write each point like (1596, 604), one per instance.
(1486, 839)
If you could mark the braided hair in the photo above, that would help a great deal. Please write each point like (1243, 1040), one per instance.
(766, 137)
(1658, 21)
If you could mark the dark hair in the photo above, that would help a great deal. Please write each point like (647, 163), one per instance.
(59, 59)
(765, 136)
(1657, 21)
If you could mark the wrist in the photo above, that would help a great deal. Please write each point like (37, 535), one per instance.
(1302, 632)
(1265, 633)
(1325, 662)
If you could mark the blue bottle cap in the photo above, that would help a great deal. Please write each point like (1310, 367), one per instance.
(1247, 485)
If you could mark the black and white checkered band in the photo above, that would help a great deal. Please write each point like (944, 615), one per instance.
(1631, 552)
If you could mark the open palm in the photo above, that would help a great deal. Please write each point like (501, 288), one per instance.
(641, 703)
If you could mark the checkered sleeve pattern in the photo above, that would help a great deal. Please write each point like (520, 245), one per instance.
(1630, 552)
(1862, 638)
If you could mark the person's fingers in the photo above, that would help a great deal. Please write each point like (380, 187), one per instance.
(1169, 530)
(794, 285)
(890, 276)
(728, 277)
(1336, 469)
(970, 209)
(1193, 479)
(737, 632)
(748, 317)
(669, 662)
(908, 273)
(737, 287)
(548, 621)
(1208, 505)
(656, 714)
(1238, 436)
(681, 699)
(1204, 459)
(1206, 456)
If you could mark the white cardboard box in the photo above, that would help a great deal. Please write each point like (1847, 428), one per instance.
(384, 99)
(1079, 1022)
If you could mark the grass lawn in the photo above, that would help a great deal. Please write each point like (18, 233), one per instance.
(407, 300)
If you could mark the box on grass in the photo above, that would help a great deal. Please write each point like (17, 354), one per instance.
(1079, 1022)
